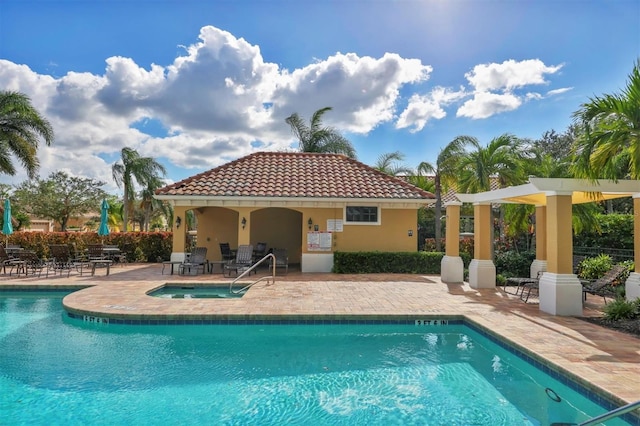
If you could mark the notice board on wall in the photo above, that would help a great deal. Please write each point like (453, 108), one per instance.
(319, 241)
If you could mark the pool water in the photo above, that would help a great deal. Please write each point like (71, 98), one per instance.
(196, 292)
(56, 370)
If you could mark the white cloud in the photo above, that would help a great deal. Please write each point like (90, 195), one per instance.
(559, 91)
(485, 104)
(421, 109)
(220, 100)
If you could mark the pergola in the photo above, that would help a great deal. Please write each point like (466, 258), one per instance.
(560, 289)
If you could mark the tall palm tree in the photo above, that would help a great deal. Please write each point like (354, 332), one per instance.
(610, 137)
(21, 125)
(148, 203)
(133, 167)
(444, 173)
(315, 138)
(388, 163)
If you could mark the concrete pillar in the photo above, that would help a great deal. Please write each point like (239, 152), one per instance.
(540, 262)
(482, 271)
(179, 233)
(632, 285)
(560, 289)
(451, 266)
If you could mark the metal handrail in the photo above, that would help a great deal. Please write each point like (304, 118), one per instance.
(612, 414)
(248, 271)
(606, 416)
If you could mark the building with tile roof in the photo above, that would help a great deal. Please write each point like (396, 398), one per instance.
(308, 203)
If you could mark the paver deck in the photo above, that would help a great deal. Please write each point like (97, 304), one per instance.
(606, 360)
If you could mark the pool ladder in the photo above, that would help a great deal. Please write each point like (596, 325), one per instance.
(606, 416)
(271, 277)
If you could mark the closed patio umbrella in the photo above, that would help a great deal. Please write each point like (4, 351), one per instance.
(103, 230)
(7, 227)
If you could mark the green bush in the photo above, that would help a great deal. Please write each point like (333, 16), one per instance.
(514, 264)
(593, 268)
(616, 231)
(387, 262)
(620, 309)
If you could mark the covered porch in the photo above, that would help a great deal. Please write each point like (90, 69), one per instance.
(560, 289)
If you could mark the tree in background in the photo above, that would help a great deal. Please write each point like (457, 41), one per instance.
(445, 176)
(134, 169)
(315, 138)
(390, 164)
(60, 197)
(21, 125)
(609, 143)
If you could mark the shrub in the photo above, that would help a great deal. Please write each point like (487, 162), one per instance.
(387, 262)
(620, 309)
(593, 268)
(514, 264)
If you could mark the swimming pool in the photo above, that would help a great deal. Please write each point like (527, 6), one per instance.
(196, 292)
(59, 370)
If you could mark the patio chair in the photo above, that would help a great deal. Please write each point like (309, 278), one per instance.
(603, 286)
(525, 283)
(197, 260)
(6, 261)
(226, 252)
(243, 260)
(259, 252)
(61, 259)
(30, 262)
(281, 259)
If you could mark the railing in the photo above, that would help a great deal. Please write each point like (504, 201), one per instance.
(617, 255)
(606, 416)
(248, 271)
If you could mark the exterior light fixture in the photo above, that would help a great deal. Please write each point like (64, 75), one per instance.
(244, 222)
(178, 221)
(310, 223)
(410, 233)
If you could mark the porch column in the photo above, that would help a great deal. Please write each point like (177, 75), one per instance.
(540, 262)
(632, 286)
(482, 271)
(179, 227)
(560, 289)
(451, 266)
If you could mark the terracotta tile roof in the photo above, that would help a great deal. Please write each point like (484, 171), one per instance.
(295, 174)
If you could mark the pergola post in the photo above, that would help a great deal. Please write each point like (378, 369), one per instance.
(482, 271)
(540, 262)
(451, 266)
(560, 290)
(632, 285)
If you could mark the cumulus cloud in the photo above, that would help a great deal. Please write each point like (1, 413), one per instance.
(220, 99)
(495, 86)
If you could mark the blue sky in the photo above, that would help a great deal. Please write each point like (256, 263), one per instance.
(196, 84)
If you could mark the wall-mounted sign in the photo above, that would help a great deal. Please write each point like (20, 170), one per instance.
(334, 225)
(319, 241)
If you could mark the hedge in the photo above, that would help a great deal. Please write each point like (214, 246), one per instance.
(387, 262)
(137, 246)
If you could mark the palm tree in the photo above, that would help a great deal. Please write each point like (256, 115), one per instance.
(315, 138)
(134, 167)
(387, 163)
(20, 126)
(445, 175)
(610, 139)
(148, 203)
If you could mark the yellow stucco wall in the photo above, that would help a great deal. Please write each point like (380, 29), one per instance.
(289, 228)
(559, 234)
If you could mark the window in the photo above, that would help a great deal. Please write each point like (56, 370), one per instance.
(367, 214)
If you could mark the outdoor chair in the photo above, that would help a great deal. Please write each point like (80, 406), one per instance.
(603, 286)
(226, 252)
(6, 261)
(196, 261)
(30, 262)
(243, 260)
(259, 252)
(61, 259)
(281, 259)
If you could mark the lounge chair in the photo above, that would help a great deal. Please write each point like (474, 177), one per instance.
(226, 252)
(259, 252)
(196, 261)
(603, 286)
(281, 259)
(243, 260)
(29, 262)
(6, 260)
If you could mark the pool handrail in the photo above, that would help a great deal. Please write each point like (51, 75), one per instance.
(617, 412)
(248, 271)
